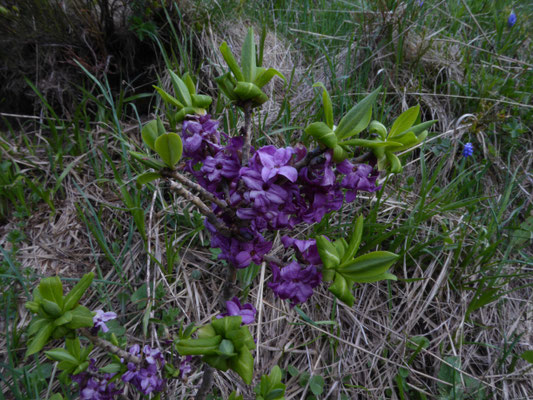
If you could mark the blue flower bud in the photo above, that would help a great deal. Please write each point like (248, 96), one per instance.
(468, 150)
(511, 20)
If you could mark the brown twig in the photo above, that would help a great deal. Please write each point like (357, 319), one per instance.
(110, 347)
(204, 209)
(227, 290)
(310, 156)
(168, 173)
(247, 132)
(207, 382)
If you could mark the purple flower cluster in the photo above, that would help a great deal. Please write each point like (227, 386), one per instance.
(146, 377)
(278, 189)
(93, 387)
(246, 311)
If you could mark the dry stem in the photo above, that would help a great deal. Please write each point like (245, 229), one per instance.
(110, 347)
(247, 132)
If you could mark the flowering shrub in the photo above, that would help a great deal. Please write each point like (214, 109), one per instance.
(247, 196)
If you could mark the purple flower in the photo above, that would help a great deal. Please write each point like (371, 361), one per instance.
(511, 20)
(185, 367)
(199, 133)
(468, 150)
(95, 387)
(275, 162)
(145, 377)
(246, 311)
(101, 317)
(294, 282)
(220, 166)
(246, 252)
(307, 249)
(358, 177)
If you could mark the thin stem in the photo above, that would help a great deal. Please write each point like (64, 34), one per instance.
(110, 347)
(247, 132)
(168, 173)
(227, 290)
(204, 209)
(207, 382)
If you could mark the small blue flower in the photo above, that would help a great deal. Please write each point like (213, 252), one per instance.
(511, 20)
(468, 150)
(420, 3)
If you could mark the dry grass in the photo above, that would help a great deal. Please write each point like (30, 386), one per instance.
(364, 347)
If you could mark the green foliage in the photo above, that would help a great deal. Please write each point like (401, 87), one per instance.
(57, 315)
(73, 359)
(458, 386)
(224, 344)
(344, 270)
(243, 83)
(270, 387)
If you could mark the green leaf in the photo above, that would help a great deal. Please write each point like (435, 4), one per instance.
(226, 86)
(112, 368)
(147, 177)
(322, 133)
(82, 317)
(169, 148)
(51, 308)
(326, 102)
(275, 374)
(230, 60)
(150, 133)
(226, 348)
(368, 266)
(418, 129)
(376, 278)
(36, 325)
(248, 61)
(316, 384)
(80, 368)
(225, 325)
(40, 339)
(206, 331)
(198, 347)
(379, 128)
(180, 115)
(275, 394)
(61, 355)
(342, 289)
(528, 356)
(395, 163)
(181, 89)
(327, 252)
(404, 121)
(56, 396)
(216, 361)
(339, 154)
(201, 100)
(146, 160)
(32, 306)
(263, 77)
(64, 319)
(74, 347)
(168, 98)
(243, 365)
(75, 294)
(355, 240)
(187, 78)
(248, 91)
(51, 289)
(358, 118)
